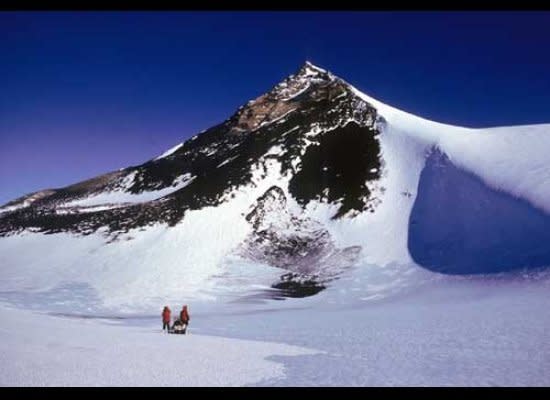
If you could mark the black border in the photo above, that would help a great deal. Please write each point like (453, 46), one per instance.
(270, 5)
(278, 392)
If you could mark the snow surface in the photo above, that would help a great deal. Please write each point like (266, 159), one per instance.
(488, 331)
(122, 196)
(227, 161)
(432, 330)
(514, 158)
(80, 209)
(13, 208)
(170, 151)
(144, 266)
(279, 118)
(312, 69)
(25, 203)
(43, 350)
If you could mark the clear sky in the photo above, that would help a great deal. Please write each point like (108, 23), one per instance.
(84, 93)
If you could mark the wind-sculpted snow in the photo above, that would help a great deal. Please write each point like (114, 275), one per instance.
(459, 225)
(514, 159)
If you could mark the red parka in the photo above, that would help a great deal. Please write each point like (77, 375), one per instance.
(184, 315)
(166, 315)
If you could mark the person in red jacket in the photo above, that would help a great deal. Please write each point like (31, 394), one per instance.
(184, 317)
(166, 318)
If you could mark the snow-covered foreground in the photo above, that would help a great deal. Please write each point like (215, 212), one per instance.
(432, 331)
(44, 350)
(455, 332)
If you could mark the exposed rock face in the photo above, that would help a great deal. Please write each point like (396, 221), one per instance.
(293, 242)
(339, 169)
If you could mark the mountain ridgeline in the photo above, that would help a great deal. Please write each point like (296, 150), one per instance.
(323, 136)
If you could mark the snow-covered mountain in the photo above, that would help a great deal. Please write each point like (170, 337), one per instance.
(303, 183)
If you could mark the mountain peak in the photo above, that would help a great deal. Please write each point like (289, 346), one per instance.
(309, 70)
(309, 82)
(312, 69)
(308, 76)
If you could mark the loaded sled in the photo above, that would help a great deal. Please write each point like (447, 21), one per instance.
(179, 328)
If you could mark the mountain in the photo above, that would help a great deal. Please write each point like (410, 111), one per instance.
(307, 181)
(207, 169)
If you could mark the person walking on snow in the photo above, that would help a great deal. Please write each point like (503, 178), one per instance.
(184, 317)
(166, 317)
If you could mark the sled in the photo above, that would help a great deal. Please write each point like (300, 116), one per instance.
(177, 332)
(178, 329)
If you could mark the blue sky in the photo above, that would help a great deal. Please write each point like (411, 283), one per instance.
(84, 93)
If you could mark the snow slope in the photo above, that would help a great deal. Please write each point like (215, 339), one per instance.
(139, 269)
(43, 350)
(170, 151)
(514, 159)
(118, 197)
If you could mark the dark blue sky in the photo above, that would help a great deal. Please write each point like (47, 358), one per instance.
(86, 93)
